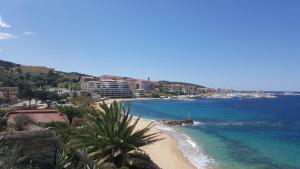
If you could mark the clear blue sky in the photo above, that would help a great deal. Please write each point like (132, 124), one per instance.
(237, 44)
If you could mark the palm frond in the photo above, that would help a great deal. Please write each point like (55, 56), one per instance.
(111, 134)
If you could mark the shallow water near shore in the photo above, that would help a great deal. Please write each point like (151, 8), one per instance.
(233, 133)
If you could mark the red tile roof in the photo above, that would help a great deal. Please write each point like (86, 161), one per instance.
(41, 116)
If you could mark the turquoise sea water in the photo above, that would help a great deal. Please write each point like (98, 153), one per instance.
(234, 133)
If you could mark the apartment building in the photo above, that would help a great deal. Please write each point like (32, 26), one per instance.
(139, 93)
(107, 88)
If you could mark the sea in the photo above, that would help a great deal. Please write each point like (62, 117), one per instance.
(236, 133)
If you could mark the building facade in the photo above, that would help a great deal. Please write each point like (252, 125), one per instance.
(139, 93)
(9, 93)
(107, 88)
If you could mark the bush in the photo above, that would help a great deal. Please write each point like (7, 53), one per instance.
(2, 113)
(57, 125)
(78, 122)
(71, 112)
(3, 123)
(155, 95)
(21, 121)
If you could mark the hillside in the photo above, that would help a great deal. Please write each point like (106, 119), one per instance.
(71, 80)
(7, 64)
(163, 82)
(31, 81)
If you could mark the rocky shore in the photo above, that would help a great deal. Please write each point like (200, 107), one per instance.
(177, 122)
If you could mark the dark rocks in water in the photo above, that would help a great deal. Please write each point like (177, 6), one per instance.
(177, 122)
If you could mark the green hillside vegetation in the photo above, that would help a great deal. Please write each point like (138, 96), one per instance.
(31, 82)
(37, 81)
(8, 65)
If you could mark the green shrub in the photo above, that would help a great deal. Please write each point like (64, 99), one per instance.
(57, 125)
(21, 121)
(2, 113)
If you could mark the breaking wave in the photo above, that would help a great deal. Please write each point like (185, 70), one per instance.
(190, 149)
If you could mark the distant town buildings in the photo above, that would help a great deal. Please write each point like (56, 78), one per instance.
(9, 93)
(59, 91)
(117, 87)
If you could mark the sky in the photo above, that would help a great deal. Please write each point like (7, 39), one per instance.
(232, 44)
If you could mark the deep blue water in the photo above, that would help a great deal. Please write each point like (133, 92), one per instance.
(237, 133)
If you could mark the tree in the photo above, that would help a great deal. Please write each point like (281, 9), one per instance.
(46, 96)
(83, 100)
(72, 112)
(111, 136)
(26, 92)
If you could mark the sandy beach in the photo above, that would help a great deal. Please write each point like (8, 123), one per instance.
(165, 152)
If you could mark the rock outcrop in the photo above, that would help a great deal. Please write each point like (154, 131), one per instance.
(177, 122)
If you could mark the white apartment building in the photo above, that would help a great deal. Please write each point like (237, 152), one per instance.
(108, 88)
(139, 93)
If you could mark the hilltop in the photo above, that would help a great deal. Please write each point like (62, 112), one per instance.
(8, 65)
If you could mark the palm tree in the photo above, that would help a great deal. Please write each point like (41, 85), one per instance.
(111, 136)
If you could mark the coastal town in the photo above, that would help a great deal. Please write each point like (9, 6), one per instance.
(139, 84)
(40, 104)
(105, 87)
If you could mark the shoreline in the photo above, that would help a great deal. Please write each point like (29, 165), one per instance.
(167, 153)
(164, 153)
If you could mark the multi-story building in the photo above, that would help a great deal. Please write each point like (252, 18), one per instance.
(139, 93)
(143, 84)
(9, 93)
(133, 83)
(114, 88)
(107, 88)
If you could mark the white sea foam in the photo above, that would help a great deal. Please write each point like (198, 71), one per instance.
(197, 123)
(190, 149)
(192, 143)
